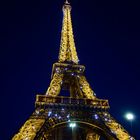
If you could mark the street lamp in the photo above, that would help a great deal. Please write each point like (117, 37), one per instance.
(73, 125)
(130, 117)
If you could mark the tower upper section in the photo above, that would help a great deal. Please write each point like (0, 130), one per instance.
(67, 51)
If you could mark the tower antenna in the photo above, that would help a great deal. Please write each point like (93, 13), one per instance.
(66, 2)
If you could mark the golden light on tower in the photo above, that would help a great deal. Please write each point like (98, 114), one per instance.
(80, 110)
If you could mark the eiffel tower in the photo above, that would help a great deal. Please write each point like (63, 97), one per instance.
(79, 116)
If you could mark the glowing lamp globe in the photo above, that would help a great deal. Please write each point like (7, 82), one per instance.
(129, 116)
(72, 125)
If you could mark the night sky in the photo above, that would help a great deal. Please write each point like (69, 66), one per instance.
(107, 37)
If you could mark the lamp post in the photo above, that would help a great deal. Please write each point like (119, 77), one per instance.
(73, 125)
(130, 117)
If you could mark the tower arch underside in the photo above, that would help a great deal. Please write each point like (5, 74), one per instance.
(94, 130)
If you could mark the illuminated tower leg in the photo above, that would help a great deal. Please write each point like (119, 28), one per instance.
(115, 127)
(86, 89)
(55, 85)
(29, 129)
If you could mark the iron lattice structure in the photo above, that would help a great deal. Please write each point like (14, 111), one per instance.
(82, 106)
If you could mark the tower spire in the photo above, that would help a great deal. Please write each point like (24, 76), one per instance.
(67, 51)
(66, 2)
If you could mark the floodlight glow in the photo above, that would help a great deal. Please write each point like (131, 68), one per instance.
(129, 116)
(72, 125)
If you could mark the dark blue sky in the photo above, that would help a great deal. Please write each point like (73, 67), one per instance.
(107, 36)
